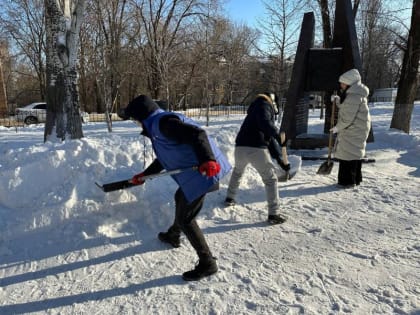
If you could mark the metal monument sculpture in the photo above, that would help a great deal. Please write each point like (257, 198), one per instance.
(318, 70)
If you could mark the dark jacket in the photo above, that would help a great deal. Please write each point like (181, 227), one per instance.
(258, 129)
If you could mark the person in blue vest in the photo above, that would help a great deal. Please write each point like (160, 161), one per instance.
(179, 142)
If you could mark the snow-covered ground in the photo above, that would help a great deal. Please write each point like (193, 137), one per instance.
(68, 248)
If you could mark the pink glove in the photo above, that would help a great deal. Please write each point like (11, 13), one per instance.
(209, 168)
(138, 179)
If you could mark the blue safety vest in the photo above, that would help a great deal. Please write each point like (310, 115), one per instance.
(173, 155)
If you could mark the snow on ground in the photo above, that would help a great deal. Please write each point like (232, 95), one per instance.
(68, 248)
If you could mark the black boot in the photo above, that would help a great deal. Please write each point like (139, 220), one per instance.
(229, 202)
(170, 238)
(206, 267)
(276, 219)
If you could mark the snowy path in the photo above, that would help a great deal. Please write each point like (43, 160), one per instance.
(361, 257)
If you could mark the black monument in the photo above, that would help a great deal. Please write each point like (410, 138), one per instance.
(318, 70)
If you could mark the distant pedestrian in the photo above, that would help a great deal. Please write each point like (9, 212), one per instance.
(179, 142)
(257, 138)
(352, 128)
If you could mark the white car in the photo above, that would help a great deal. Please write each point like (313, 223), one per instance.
(37, 113)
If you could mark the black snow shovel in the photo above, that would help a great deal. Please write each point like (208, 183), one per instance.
(327, 166)
(126, 183)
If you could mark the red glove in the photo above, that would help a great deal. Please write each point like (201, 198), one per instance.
(138, 179)
(209, 168)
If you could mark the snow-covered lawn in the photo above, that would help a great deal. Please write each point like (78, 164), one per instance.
(68, 248)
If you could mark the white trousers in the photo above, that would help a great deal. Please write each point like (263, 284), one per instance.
(261, 160)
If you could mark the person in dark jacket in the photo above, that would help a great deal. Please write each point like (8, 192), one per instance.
(257, 141)
(178, 142)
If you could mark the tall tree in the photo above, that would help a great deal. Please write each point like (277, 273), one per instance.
(281, 29)
(23, 22)
(111, 22)
(408, 83)
(236, 44)
(163, 22)
(326, 23)
(377, 35)
(63, 19)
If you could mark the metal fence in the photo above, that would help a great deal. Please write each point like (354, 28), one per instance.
(16, 121)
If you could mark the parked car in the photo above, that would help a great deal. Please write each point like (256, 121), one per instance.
(37, 113)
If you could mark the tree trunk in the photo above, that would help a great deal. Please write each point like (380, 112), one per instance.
(326, 23)
(408, 83)
(63, 20)
(356, 4)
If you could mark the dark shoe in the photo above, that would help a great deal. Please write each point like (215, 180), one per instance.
(170, 239)
(230, 202)
(206, 267)
(276, 219)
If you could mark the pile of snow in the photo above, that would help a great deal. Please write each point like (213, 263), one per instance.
(68, 248)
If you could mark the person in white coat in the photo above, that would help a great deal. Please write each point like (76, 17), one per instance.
(352, 128)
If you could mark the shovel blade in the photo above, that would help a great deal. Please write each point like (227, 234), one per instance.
(284, 177)
(122, 184)
(325, 168)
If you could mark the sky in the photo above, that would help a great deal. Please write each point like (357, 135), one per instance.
(245, 11)
(248, 11)
(66, 247)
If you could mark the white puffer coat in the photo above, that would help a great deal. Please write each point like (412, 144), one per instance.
(353, 123)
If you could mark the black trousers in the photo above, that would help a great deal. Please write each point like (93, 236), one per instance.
(350, 172)
(185, 222)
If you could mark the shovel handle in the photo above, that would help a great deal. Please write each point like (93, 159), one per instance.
(330, 140)
(172, 172)
(126, 183)
(283, 148)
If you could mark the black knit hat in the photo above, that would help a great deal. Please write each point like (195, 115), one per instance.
(139, 108)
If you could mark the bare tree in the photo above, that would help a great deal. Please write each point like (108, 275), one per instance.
(23, 23)
(281, 29)
(190, 64)
(110, 17)
(408, 83)
(235, 45)
(369, 41)
(326, 23)
(63, 20)
(377, 36)
(163, 21)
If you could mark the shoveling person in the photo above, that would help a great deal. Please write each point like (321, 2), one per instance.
(257, 140)
(352, 128)
(178, 142)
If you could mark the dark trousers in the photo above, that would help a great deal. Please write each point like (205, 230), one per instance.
(350, 172)
(185, 222)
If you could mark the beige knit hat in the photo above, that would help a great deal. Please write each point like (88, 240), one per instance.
(350, 77)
